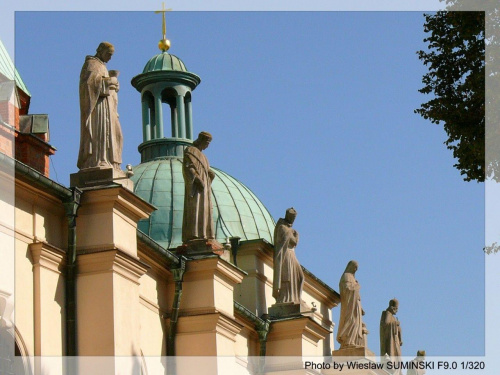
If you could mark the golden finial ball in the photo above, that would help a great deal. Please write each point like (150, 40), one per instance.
(164, 44)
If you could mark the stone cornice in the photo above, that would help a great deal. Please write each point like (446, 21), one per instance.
(115, 261)
(214, 322)
(120, 199)
(290, 328)
(260, 248)
(320, 290)
(37, 196)
(198, 269)
(175, 77)
(261, 277)
(47, 256)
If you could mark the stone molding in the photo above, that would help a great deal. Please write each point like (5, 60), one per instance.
(47, 256)
(38, 197)
(262, 250)
(157, 266)
(303, 327)
(115, 261)
(153, 306)
(209, 323)
(214, 267)
(120, 200)
(261, 277)
(316, 290)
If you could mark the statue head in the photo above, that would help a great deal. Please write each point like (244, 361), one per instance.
(421, 353)
(394, 305)
(352, 267)
(104, 51)
(204, 139)
(290, 215)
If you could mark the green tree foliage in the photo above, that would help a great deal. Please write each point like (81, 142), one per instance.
(456, 78)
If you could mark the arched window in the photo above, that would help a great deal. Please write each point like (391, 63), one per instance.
(13, 355)
(168, 98)
(148, 116)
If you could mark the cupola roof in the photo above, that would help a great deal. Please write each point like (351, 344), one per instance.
(237, 212)
(164, 62)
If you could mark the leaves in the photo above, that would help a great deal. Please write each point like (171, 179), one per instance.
(456, 79)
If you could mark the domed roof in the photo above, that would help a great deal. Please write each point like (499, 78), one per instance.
(164, 61)
(236, 210)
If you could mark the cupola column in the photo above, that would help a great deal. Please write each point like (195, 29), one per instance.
(158, 118)
(189, 119)
(173, 121)
(181, 116)
(146, 121)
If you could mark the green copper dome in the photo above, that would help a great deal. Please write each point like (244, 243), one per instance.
(236, 210)
(164, 61)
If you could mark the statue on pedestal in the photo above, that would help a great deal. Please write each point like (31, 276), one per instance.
(198, 224)
(100, 132)
(288, 277)
(351, 328)
(390, 332)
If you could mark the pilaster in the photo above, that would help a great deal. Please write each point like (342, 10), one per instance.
(108, 301)
(48, 284)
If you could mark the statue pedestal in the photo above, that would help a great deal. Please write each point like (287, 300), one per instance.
(297, 337)
(206, 325)
(201, 247)
(289, 309)
(107, 220)
(353, 353)
(100, 176)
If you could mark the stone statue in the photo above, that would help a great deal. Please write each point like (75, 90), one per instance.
(100, 131)
(351, 328)
(288, 277)
(197, 223)
(390, 331)
(416, 364)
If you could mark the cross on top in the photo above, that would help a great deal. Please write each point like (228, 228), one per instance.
(163, 10)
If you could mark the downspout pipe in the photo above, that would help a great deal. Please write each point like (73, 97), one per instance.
(178, 274)
(71, 206)
(262, 327)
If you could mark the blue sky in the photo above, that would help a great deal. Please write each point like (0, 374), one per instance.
(310, 109)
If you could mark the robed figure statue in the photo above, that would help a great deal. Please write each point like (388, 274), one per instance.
(390, 332)
(288, 277)
(101, 140)
(350, 331)
(197, 223)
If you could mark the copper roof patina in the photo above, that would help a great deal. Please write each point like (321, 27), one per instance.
(236, 210)
(9, 71)
(164, 61)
